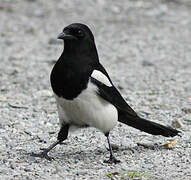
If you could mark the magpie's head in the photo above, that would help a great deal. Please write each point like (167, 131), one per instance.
(76, 33)
(78, 41)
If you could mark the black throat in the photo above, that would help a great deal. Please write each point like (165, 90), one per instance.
(70, 74)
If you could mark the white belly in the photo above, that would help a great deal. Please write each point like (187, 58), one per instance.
(88, 109)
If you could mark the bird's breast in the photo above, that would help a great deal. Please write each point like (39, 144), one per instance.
(88, 109)
(68, 83)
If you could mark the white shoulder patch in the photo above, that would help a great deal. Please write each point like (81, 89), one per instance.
(101, 77)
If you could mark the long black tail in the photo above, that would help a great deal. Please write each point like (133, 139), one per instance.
(147, 126)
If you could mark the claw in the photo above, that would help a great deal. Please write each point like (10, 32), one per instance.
(112, 160)
(43, 154)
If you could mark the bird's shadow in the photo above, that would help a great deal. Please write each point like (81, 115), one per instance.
(100, 152)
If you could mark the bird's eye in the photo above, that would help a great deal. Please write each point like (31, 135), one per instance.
(80, 33)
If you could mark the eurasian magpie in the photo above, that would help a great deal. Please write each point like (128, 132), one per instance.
(85, 94)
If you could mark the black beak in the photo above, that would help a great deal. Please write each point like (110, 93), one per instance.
(63, 35)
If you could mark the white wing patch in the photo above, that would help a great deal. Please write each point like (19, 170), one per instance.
(101, 77)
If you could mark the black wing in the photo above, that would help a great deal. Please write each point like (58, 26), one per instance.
(111, 94)
(126, 114)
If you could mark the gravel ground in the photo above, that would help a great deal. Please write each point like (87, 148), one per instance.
(145, 46)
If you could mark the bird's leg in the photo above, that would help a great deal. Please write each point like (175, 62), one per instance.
(112, 158)
(62, 135)
(44, 153)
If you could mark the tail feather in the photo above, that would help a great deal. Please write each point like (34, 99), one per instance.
(147, 126)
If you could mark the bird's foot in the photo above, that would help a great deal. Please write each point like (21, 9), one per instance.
(114, 147)
(112, 160)
(43, 154)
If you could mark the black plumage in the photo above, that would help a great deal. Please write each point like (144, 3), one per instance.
(85, 94)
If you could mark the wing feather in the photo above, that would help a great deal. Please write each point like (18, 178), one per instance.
(112, 95)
